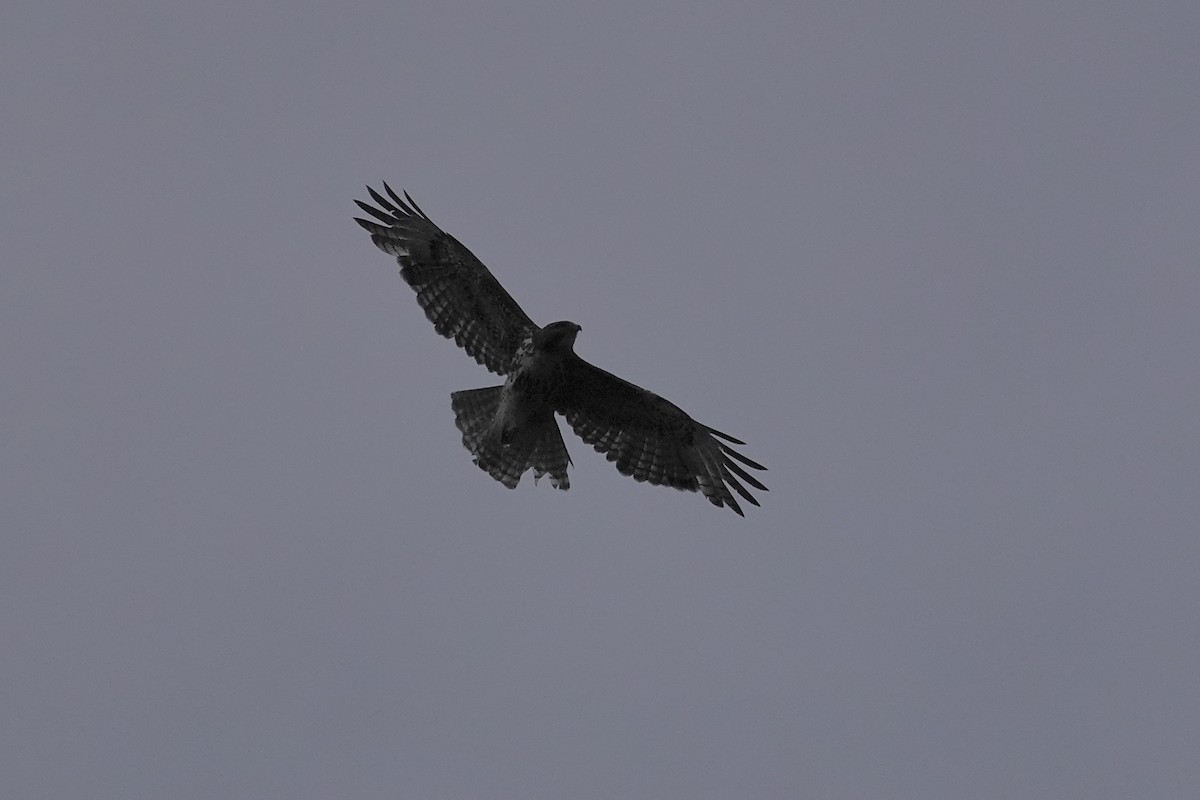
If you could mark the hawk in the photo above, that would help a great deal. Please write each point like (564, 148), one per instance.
(511, 429)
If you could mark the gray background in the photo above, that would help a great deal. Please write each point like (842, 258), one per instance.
(935, 262)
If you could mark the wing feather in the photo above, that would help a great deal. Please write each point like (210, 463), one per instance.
(462, 299)
(729, 451)
(746, 476)
(651, 439)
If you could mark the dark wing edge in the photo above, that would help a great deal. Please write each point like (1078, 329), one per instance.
(462, 299)
(650, 439)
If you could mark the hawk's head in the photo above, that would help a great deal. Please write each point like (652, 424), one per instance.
(557, 337)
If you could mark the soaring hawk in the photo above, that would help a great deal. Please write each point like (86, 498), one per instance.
(510, 429)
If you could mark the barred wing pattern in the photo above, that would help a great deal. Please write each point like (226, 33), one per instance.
(652, 440)
(460, 296)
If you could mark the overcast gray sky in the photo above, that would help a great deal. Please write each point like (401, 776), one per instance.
(935, 262)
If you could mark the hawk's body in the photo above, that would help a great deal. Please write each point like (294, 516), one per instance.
(511, 429)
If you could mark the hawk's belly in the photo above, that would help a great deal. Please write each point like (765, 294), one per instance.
(526, 403)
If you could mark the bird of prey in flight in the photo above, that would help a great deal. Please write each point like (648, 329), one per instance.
(510, 429)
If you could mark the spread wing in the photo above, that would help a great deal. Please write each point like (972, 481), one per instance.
(460, 296)
(651, 439)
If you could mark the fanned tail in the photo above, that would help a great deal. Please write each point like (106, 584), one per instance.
(543, 450)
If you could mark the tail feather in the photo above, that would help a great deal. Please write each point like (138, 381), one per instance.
(544, 453)
(551, 457)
